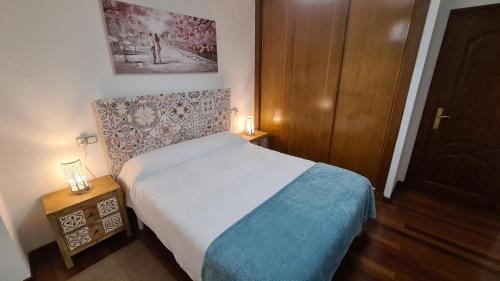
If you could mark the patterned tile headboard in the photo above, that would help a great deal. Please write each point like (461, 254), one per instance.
(134, 125)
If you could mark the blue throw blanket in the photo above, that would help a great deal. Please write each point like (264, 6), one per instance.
(301, 233)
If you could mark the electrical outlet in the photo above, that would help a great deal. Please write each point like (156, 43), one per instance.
(85, 140)
(91, 139)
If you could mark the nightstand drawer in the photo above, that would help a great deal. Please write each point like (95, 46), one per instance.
(93, 231)
(96, 230)
(89, 213)
(100, 229)
(78, 238)
(108, 206)
(103, 208)
(72, 221)
(81, 221)
(112, 222)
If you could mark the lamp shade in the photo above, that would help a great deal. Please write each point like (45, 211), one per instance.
(250, 126)
(75, 177)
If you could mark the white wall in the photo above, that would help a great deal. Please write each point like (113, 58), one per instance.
(55, 61)
(435, 27)
(13, 264)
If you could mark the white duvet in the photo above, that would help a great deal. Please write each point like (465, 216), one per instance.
(189, 193)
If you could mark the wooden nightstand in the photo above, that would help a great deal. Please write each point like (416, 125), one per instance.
(259, 138)
(80, 221)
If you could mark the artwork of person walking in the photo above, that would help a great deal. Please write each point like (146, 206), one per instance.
(157, 47)
(152, 46)
(150, 40)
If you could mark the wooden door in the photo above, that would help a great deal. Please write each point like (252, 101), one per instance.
(301, 56)
(319, 38)
(457, 153)
(334, 76)
(373, 59)
(277, 32)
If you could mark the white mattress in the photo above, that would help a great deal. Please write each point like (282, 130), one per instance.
(189, 193)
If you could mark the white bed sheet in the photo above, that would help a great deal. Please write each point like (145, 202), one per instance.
(189, 203)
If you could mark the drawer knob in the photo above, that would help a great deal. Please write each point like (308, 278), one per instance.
(96, 231)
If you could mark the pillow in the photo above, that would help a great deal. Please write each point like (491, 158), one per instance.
(169, 156)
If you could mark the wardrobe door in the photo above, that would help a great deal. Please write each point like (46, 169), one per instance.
(277, 31)
(319, 38)
(410, 56)
(374, 48)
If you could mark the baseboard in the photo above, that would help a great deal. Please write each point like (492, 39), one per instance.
(399, 186)
(387, 199)
(43, 252)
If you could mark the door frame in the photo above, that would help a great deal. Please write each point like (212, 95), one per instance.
(430, 108)
(435, 26)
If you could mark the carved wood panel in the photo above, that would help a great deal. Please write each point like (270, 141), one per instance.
(78, 238)
(72, 221)
(112, 222)
(107, 206)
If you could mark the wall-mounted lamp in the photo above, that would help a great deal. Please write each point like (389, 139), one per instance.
(75, 177)
(250, 126)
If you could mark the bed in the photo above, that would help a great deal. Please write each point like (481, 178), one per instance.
(228, 209)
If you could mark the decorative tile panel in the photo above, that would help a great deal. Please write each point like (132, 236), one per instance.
(72, 221)
(134, 125)
(112, 222)
(107, 206)
(78, 238)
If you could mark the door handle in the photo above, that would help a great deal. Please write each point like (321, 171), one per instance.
(439, 116)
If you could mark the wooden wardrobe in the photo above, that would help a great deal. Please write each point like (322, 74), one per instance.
(332, 78)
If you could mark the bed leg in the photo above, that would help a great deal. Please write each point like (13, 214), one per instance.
(140, 224)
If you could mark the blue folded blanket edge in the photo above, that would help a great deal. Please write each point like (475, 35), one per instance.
(292, 236)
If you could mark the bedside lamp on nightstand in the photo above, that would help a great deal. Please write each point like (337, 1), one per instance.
(82, 221)
(258, 138)
(250, 126)
(75, 177)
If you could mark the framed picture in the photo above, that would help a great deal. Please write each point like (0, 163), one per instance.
(147, 40)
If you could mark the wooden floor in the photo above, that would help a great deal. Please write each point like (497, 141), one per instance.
(414, 237)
